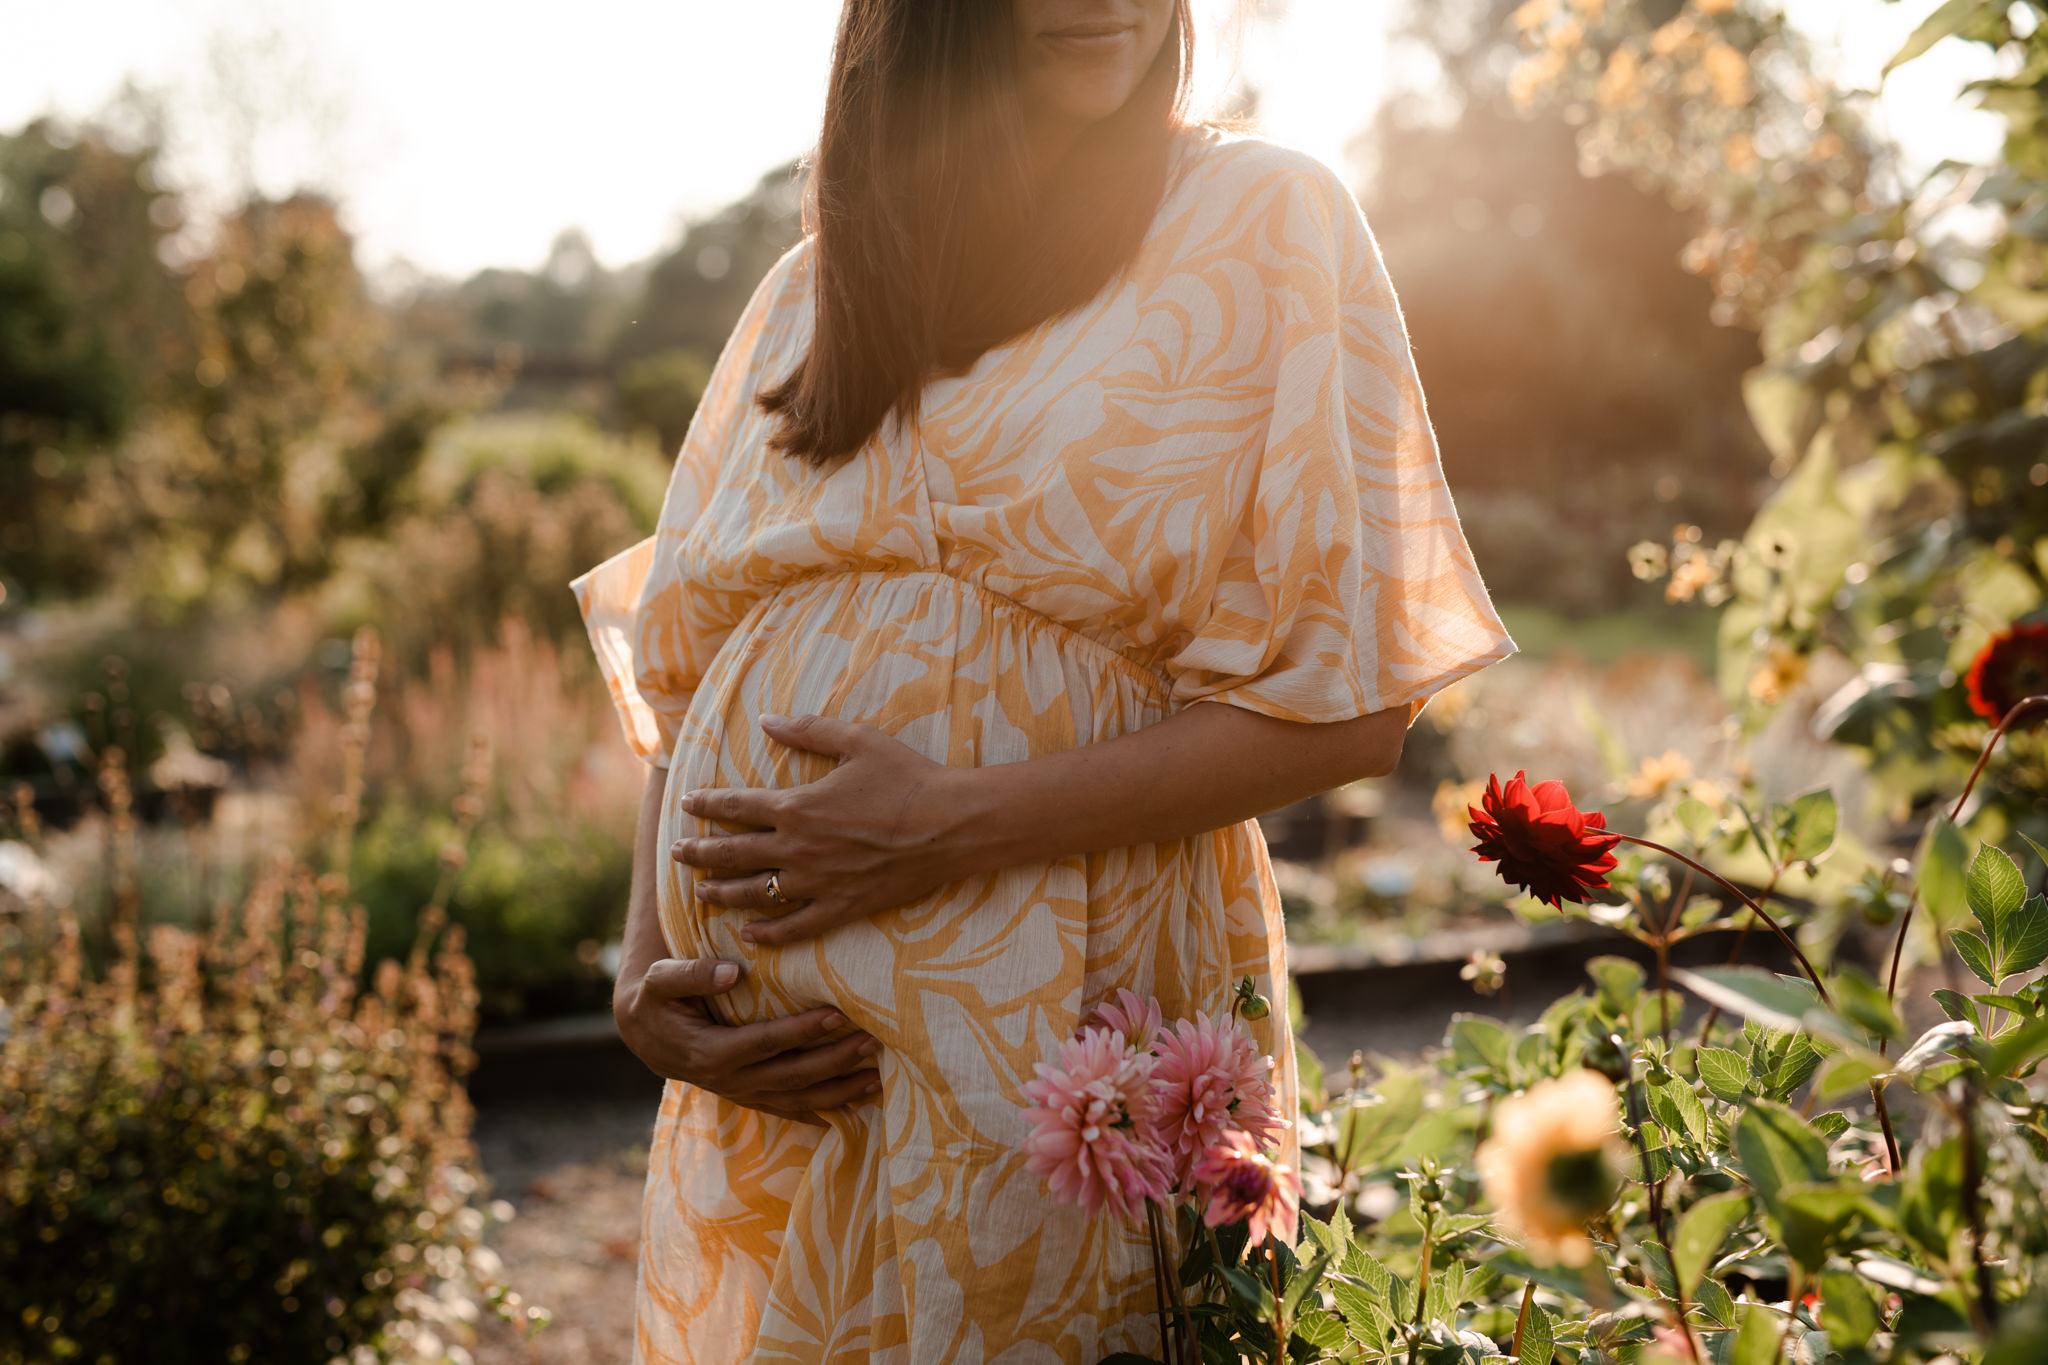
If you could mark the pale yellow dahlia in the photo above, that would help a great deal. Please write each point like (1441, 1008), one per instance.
(1549, 1166)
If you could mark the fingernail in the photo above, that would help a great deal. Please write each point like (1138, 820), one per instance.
(749, 935)
(873, 1086)
(689, 804)
(724, 974)
(832, 1021)
(773, 719)
(869, 1048)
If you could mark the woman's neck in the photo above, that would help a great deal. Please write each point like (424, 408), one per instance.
(1049, 140)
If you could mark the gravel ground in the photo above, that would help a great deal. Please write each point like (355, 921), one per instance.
(574, 1175)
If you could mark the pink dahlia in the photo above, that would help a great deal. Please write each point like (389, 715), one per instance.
(1211, 1081)
(1238, 1181)
(1093, 1126)
(1135, 1018)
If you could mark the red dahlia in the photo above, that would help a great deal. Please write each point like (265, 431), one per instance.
(1543, 843)
(2013, 667)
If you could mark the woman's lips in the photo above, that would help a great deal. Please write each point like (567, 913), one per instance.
(1087, 39)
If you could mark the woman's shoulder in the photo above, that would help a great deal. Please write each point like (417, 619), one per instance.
(1224, 165)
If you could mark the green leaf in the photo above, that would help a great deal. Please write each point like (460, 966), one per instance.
(1801, 1060)
(1848, 1310)
(1657, 1266)
(1479, 1044)
(1756, 1337)
(1812, 1216)
(2019, 1049)
(1714, 1302)
(1698, 818)
(1945, 22)
(1305, 1279)
(1778, 1149)
(1862, 1001)
(1308, 1068)
(1376, 1278)
(1320, 1329)
(1619, 981)
(1943, 855)
(1939, 1044)
(1678, 1109)
(1723, 1072)
(1995, 890)
(1702, 1230)
(1539, 1338)
(1806, 826)
(1370, 1131)
(1830, 1125)
(2026, 937)
(2039, 852)
(1957, 1007)
(1845, 1073)
(1589, 1284)
(1331, 1236)
(1751, 992)
(1249, 1288)
(1930, 1198)
(1977, 956)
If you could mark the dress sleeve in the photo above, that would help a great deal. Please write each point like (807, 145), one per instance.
(1348, 587)
(632, 603)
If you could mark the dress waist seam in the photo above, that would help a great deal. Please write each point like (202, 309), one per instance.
(1007, 606)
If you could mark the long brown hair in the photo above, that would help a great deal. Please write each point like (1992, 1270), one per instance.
(932, 244)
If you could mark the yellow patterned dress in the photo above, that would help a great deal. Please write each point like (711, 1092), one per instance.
(1213, 483)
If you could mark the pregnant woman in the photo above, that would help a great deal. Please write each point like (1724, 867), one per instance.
(1065, 500)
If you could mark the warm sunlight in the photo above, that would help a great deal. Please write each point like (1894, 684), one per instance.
(487, 129)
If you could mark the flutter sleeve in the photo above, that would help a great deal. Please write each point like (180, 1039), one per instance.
(633, 602)
(1348, 587)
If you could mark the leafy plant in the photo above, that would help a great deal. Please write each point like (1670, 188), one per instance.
(228, 1144)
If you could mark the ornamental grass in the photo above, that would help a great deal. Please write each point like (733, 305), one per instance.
(238, 1144)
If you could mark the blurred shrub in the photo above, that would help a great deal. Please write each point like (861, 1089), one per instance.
(222, 1149)
(503, 512)
(536, 908)
(522, 738)
(90, 319)
(661, 392)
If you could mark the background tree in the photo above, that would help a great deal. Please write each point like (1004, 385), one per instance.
(1573, 372)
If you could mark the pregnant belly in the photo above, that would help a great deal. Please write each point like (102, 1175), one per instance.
(965, 678)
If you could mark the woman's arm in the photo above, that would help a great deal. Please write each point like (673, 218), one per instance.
(658, 1002)
(888, 825)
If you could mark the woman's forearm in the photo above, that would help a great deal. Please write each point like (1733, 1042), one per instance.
(887, 825)
(1207, 767)
(641, 944)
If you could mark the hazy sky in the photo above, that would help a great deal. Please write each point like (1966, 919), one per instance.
(462, 133)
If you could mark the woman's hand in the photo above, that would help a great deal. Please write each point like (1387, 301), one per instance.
(888, 826)
(779, 1067)
(881, 830)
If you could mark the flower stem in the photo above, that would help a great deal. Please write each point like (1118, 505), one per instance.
(1279, 1309)
(1522, 1318)
(1167, 1346)
(1735, 953)
(2026, 706)
(1761, 913)
(1654, 1190)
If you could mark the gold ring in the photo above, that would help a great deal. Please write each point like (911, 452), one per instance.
(775, 889)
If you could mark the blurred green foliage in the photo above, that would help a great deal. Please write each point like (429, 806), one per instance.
(223, 1148)
(1906, 354)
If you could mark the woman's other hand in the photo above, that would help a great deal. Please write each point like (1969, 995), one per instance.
(877, 832)
(780, 1067)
